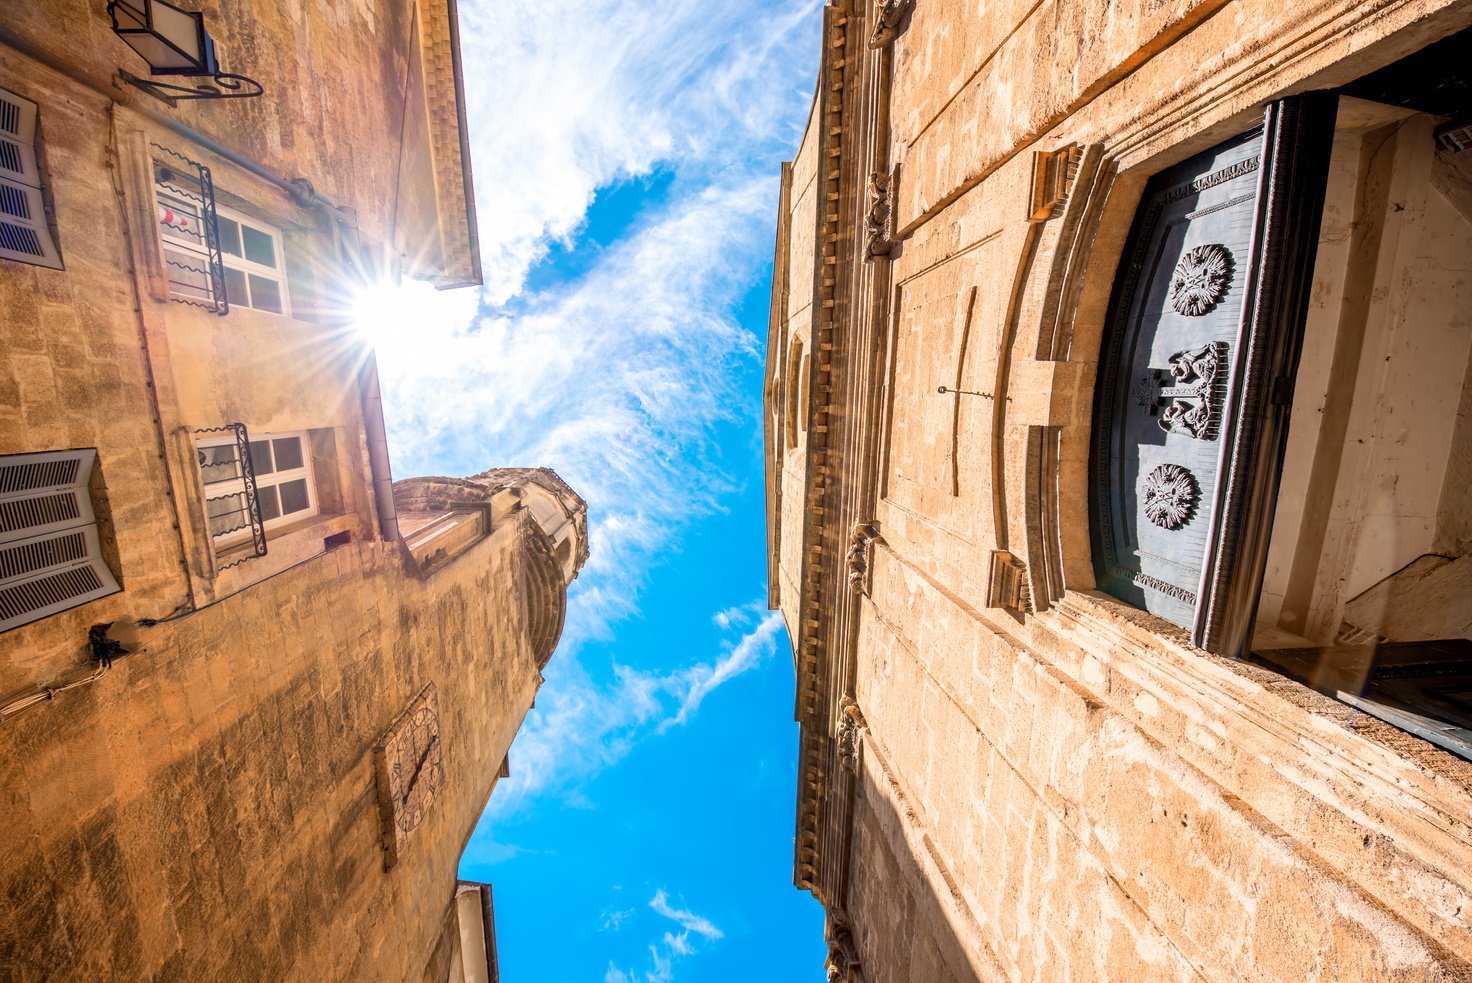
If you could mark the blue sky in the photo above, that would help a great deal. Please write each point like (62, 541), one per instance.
(627, 155)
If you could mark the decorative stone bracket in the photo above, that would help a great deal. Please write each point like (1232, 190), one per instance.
(879, 222)
(889, 20)
(1009, 588)
(843, 963)
(1053, 173)
(861, 556)
(851, 725)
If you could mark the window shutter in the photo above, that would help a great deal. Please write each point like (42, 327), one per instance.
(50, 556)
(51, 573)
(24, 235)
(18, 139)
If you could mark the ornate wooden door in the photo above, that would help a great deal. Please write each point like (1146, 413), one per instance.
(1196, 373)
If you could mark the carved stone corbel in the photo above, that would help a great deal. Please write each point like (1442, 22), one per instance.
(1053, 173)
(861, 557)
(843, 954)
(889, 20)
(878, 223)
(1009, 587)
(851, 724)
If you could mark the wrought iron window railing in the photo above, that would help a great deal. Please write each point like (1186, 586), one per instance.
(232, 504)
(184, 194)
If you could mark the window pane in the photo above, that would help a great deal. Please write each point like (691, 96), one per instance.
(265, 295)
(179, 218)
(229, 236)
(218, 463)
(294, 496)
(270, 504)
(188, 275)
(260, 457)
(227, 514)
(288, 453)
(259, 248)
(235, 291)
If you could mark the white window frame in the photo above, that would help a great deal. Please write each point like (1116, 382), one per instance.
(240, 264)
(172, 238)
(273, 479)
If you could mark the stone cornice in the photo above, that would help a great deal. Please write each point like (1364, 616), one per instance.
(814, 739)
(449, 138)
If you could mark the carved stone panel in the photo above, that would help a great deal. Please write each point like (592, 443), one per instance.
(409, 770)
(1200, 279)
(1170, 496)
(1177, 312)
(1190, 402)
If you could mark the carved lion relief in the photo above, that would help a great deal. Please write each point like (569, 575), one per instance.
(1192, 404)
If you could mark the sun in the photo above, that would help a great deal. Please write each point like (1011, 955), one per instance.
(381, 312)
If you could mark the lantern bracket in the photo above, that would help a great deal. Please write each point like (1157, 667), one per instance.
(226, 86)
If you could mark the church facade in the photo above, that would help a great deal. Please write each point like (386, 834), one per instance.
(254, 692)
(1118, 453)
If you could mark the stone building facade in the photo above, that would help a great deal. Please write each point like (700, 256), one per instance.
(1118, 456)
(254, 693)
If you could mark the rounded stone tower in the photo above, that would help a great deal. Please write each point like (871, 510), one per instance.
(440, 518)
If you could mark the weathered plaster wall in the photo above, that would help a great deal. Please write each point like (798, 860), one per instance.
(208, 808)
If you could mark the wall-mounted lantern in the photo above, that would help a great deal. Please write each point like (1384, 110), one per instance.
(174, 42)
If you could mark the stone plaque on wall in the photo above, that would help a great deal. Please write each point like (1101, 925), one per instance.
(409, 771)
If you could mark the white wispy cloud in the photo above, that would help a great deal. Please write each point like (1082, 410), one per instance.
(687, 920)
(614, 920)
(567, 96)
(662, 954)
(580, 728)
(618, 379)
(745, 654)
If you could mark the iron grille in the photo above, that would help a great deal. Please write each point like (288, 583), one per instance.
(196, 273)
(247, 510)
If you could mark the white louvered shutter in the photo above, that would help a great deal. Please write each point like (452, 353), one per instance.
(50, 556)
(18, 139)
(24, 234)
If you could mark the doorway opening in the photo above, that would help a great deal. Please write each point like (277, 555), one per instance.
(1367, 593)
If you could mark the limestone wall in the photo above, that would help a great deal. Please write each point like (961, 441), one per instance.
(208, 808)
(1064, 788)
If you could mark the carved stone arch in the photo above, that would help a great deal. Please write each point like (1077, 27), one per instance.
(1070, 187)
(1094, 227)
